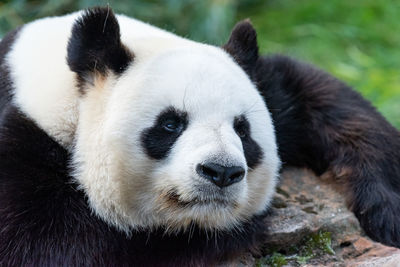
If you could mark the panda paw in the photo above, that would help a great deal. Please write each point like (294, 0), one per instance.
(381, 222)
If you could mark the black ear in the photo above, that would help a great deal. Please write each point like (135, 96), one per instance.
(242, 45)
(95, 45)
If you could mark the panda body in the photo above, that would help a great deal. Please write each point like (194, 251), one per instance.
(122, 144)
(86, 118)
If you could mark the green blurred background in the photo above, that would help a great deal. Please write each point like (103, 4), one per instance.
(358, 41)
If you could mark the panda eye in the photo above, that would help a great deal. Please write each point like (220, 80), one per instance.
(241, 126)
(172, 125)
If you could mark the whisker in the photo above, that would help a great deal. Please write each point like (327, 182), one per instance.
(105, 21)
(250, 108)
(184, 99)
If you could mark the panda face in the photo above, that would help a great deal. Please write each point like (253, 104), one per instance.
(182, 138)
(163, 131)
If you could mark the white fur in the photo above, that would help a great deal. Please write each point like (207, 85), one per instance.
(45, 88)
(44, 85)
(103, 128)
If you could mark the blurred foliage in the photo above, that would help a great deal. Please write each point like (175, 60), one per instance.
(205, 20)
(357, 40)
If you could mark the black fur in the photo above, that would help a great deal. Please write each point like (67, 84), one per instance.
(157, 141)
(323, 124)
(5, 79)
(95, 45)
(252, 151)
(242, 45)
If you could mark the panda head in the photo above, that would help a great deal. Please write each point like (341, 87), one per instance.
(171, 132)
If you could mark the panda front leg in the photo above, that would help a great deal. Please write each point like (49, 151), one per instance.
(323, 124)
(372, 196)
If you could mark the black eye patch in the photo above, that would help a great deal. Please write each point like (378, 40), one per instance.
(252, 151)
(168, 126)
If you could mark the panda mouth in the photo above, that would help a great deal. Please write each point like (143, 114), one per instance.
(176, 199)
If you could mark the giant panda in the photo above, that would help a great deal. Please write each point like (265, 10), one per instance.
(122, 144)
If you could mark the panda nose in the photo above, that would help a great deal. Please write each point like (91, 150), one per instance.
(220, 175)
